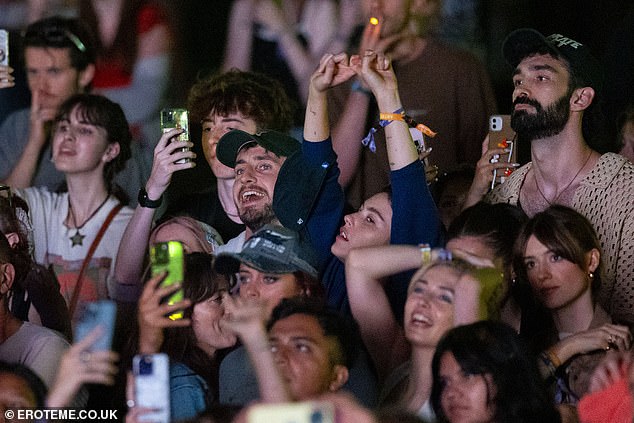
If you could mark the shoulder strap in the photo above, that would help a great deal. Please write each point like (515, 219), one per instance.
(91, 251)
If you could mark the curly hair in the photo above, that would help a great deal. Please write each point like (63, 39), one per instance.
(253, 95)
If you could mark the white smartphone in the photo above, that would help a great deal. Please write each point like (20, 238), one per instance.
(151, 386)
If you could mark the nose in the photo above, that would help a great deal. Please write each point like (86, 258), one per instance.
(249, 290)
(247, 175)
(280, 355)
(543, 272)
(348, 219)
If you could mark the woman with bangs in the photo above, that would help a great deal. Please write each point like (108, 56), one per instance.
(558, 255)
(483, 374)
(443, 293)
(195, 343)
(78, 231)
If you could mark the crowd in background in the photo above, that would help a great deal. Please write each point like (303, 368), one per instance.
(349, 231)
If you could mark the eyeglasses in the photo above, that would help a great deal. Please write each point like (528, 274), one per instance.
(55, 35)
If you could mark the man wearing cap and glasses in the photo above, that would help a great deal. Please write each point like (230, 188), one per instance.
(59, 58)
(557, 83)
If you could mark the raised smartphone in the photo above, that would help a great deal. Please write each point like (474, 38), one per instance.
(173, 119)
(292, 412)
(501, 135)
(169, 257)
(151, 386)
(4, 47)
(99, 313)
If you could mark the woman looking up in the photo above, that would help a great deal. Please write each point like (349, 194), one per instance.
(91, 143)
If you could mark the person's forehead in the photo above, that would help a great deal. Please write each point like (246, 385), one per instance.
(299, 326)
(54, 55)
(539, 60)
(217, 118)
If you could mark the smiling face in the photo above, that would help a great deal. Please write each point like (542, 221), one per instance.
(214, 127)
(465, 398)
(429, 308)
(368, 227)
(557, 282)
(256, 172)
(206, 318)
(541, 97)
(270, 288)
(305, 356)
(51, 76)
(79, 146)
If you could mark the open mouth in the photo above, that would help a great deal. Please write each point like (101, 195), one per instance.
(419, 319)
(343, 235)
(250, 195)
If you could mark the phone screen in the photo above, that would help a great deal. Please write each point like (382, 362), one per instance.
(151, 386)
(99, 313)
(169, 257)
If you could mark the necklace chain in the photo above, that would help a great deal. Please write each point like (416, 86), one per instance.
(574, 178)
(78, 238)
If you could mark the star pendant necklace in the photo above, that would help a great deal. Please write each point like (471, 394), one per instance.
(78, 238)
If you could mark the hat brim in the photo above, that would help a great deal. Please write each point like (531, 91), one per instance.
(230, 144)
(229, 263)
(235, 140)
(522, 43)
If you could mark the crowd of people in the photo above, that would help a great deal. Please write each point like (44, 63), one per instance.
(372, 277)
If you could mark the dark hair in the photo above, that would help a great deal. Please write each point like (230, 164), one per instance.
(335, 325)
(497, 224)
(59, 32)
(494, 349)
(34, 382)
(200, 283)
(99, 111)
(253, 95)
(564, 231)
(10, 223)
(625, 117)
(5, 249)
(310, 284)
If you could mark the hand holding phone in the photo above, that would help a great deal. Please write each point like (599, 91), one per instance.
(151, 386)
(99, 313)
(4, 47)
(501, 135)
(176, 119)
(169, 257)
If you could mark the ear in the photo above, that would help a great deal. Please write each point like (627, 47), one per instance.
(339, 377)
(86, 76)
(112, 151)
(581, 99)
(13, 239)
(7, 274)
(594, 256)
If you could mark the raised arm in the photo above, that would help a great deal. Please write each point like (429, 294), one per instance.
(332, 71)
(239, 36)
(246, 318)
(366, 269)
(134, 243)
(378, 73)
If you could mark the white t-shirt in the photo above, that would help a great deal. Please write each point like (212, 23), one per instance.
(53, 246)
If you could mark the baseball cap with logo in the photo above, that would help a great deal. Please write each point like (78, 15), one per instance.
(235, 140)
(524, 42)
(273, 249)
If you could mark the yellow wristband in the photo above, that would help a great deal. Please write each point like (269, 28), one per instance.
(425, 254)
(553, 358)
(391, 116)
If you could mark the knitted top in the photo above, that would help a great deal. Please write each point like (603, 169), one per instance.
(605, 197)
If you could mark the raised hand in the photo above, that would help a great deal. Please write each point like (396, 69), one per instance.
(166, 153)
(6, 79)
(332, 71)
(484, 172)
(244, 316)
(153, 316)
(606, 337)
(80, 365)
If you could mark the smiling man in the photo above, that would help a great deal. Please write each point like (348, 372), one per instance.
(557, 83)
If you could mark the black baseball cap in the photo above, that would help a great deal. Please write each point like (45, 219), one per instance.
(235, 140)
(521, 43)
(273, 249)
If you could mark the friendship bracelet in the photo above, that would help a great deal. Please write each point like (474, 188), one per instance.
(387, 118)
(368, 141)
(425, 254)
(553, 358)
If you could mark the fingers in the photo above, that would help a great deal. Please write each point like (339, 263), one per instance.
(611, 368)
(6, 79)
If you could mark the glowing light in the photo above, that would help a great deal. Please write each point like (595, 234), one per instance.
(374, 21)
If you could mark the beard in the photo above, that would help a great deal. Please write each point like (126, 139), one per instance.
(254, 219)
(544, 122)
